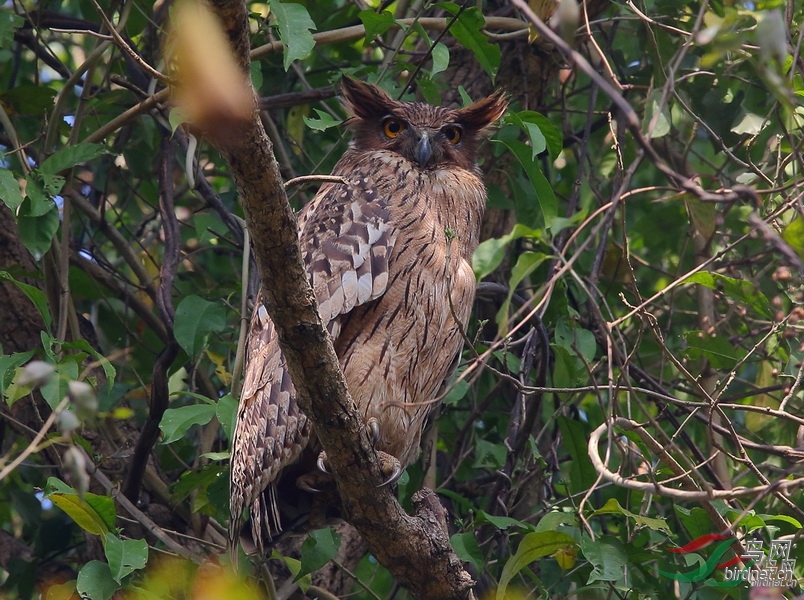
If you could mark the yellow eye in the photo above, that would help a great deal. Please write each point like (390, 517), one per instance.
(393, 127)
(452, 133)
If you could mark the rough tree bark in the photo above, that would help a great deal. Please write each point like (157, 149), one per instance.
(20, 322)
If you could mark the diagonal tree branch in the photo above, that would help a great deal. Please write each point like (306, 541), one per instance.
(415, 549)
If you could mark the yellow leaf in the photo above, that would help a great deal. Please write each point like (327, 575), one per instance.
(296, 127)
(122, 412)
(566, 557)
(209, 85)
(219, 360)
(765, 378)
(81, 512)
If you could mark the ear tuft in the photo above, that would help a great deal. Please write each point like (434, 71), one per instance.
(364, 100)
(484, 112)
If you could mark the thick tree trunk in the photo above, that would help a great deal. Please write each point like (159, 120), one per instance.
(20, 321)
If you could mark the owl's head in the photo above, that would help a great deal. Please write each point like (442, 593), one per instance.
(428, 136)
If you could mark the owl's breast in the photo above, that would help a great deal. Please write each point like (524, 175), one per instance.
(397, 350)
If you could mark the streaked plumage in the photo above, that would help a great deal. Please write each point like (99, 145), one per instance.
(384, 252)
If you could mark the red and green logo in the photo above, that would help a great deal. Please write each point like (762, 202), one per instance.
(706, 567)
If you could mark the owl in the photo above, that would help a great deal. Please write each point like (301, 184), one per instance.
(388, 252)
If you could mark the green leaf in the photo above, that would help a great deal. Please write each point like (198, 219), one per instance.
(541, 132)
(37, 232)
(793, 234)
(84, 346)
(124, 556)
(256, 75)
(456, 391)
(318, 549)
(552, 520)
(195, 480)
(38, 201)
(501, 523)
(526, 263)
(176, 117)
(9, 188)
(8, 367)
(226, 412)
(56, 387)
(323, 122)
(95, 581)
(532, 547)
(607, 557)
(217, 456)
(54, 485)
(465, 546)
(468, 30)
(294, 566)
(696, 521)
(703, 216)
(428, 89)
(30, 100)
(69, 157)
(657, 118)
(612, 506)
(719, 351)
(103, 507)
(542, 205)
(440, 56)
(750, 124)
(196, 395)
(8, 23)
(34, 294)
(216, 496)
(51, 184)
(490, 254)
(576, 340)
(176, 421)
(786, 519)
(736, 289)
(196, 319)
(294, 24)
(565, 372)
(489, 455)
(85, 515)
(375, 23)
(749, 521)
(582, 474)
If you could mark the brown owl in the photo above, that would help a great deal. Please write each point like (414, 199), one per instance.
(389, 257)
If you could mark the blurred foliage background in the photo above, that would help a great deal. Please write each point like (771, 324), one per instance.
(642, 289)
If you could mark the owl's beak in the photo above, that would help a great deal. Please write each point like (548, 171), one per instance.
(424, 150)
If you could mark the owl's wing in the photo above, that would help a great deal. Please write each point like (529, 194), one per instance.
(346, 242)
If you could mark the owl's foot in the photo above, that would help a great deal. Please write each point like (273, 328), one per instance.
(391, 468)
(389, 465)
(315, 483)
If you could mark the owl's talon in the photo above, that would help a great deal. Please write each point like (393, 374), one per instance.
(321, 463)
(395, 475)
(391, 468)
(315, 482)
(374, 427)
(303, 485)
